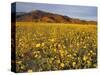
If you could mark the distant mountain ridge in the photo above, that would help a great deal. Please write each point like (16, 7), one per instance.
(42, 16)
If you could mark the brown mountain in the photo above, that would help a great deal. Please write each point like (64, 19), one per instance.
(41, 16)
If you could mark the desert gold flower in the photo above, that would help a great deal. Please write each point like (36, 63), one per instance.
(94, 65)
(19, 62)
(84, 58)
(52, 40)
(64, 46)
(50, 61)
(69, 55)
(59, 45)
(89, 62)
(58, 61)
(89, 54)
(42, 44)
(61, 51)
(84, 47)
(22, 67)
(38, 52)
(62, 55)
(74, 63)
(91, 51)
(55, 44)
(29, 70)
(78, 44)
(75, 54)
(54, 50)
(36, 56)
(62, 65)
(38, 45)
(52, 58)
(39, 56)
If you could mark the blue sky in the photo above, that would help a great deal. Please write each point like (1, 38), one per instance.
(81, 12)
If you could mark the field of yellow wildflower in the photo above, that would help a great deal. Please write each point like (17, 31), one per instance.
(55, 46)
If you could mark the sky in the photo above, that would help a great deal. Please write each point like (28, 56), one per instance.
(74, 11)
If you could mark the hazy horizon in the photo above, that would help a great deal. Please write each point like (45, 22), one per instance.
(73, 11)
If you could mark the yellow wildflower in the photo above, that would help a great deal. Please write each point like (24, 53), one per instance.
(52, 58)
(94, 65)
(91, 51)
(54, 50)
(39, 56)
(38, 52)
(19, 62)
(61, 51)
(64, 46)
(50, 61)
(42, 44)
(29, 70)
(89, 62)
(58, 61)
(62, 55)
(74, 63)
(59, 45)
(84, 58)
(84, 47)
(62, 64)
(36, 56)
(22, 67)
(52, 40)
(38, 45)
(89, 54)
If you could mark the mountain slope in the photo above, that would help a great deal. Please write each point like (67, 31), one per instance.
(41, 16)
